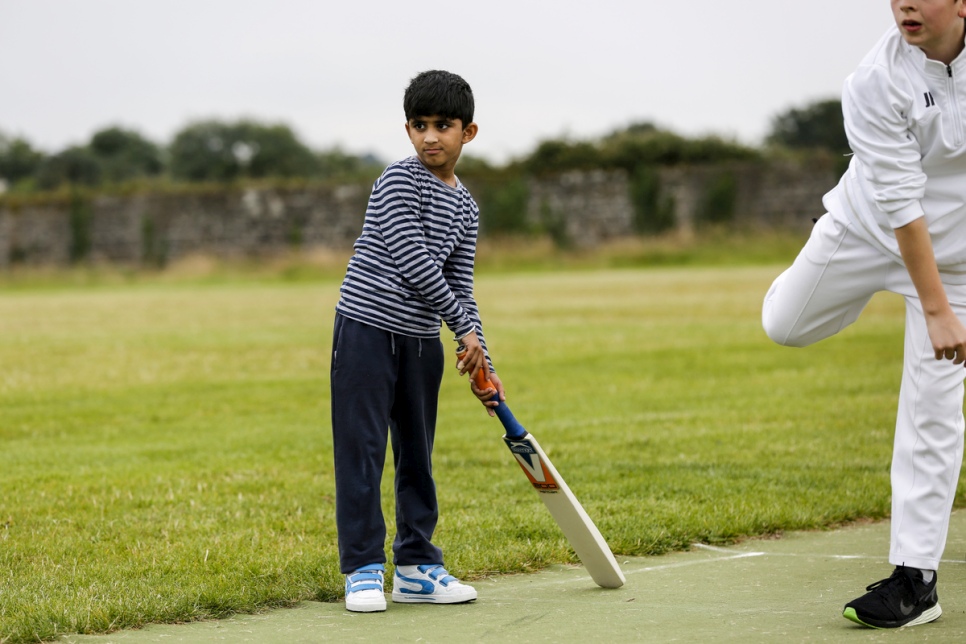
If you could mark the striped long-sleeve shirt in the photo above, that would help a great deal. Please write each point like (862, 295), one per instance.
(413, 262)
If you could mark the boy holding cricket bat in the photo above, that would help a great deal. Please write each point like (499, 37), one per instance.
(897, 222)
(412, 267)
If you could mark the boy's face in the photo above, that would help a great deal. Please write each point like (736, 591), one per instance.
(438, 142)
(935, 26)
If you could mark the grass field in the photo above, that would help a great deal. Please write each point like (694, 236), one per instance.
(165, 452)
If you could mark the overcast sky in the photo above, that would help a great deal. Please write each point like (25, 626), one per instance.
(335, 71)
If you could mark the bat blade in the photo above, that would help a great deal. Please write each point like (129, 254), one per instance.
(574, 522)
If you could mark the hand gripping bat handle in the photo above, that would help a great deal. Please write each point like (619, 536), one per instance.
(514, 429)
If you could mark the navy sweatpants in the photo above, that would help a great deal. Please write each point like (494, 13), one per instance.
(384, 383)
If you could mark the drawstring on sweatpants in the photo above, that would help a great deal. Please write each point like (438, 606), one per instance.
(392, 343)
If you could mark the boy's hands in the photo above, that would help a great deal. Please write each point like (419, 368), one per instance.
(470, 360)
(946, 331)
(473, 358)
(486, 395)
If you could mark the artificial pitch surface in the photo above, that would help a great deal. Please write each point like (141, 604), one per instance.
(790, 589)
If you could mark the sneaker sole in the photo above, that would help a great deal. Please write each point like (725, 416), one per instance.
(400, 598)
(366, 607)
(928, 615)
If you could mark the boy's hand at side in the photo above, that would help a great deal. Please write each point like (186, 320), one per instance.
(946, 331)
(948, 336)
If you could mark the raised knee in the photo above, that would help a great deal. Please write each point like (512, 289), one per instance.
(782, 334)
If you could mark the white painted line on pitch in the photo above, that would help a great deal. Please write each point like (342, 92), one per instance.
(815, 555)
(705, 546)
(698, 562)
(730, 555)
(680, 564)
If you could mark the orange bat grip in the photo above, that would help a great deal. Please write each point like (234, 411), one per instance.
(482, 382)
(514, 430)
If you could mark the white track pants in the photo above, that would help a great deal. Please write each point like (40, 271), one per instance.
(831, 281)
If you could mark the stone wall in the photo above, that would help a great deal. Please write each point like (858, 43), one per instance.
(158, 228)
(592, 207)
(586, 208)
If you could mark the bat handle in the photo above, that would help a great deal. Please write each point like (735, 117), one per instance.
(514, 430)
(482, 382)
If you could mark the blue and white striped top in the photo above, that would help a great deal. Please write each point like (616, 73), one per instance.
(413, 262)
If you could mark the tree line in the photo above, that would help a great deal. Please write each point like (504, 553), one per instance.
(205, 151)
(218, 151)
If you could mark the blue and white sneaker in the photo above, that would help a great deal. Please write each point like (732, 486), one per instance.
(429, 584)
(363, 589)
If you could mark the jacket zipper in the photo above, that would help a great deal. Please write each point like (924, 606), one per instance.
(955, 109)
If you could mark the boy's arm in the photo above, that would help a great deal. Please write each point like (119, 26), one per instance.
(459, 273)
(946, 331)
(397, 214)
(875, 112)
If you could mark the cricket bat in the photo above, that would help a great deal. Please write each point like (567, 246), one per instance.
(577, 526)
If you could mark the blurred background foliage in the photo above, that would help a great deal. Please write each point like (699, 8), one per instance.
(213, 152)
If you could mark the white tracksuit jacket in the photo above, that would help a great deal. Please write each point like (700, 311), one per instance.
(905, 116)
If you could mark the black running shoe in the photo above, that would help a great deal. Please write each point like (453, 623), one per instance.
(903, 599)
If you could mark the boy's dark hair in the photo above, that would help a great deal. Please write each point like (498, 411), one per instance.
(439, 93)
